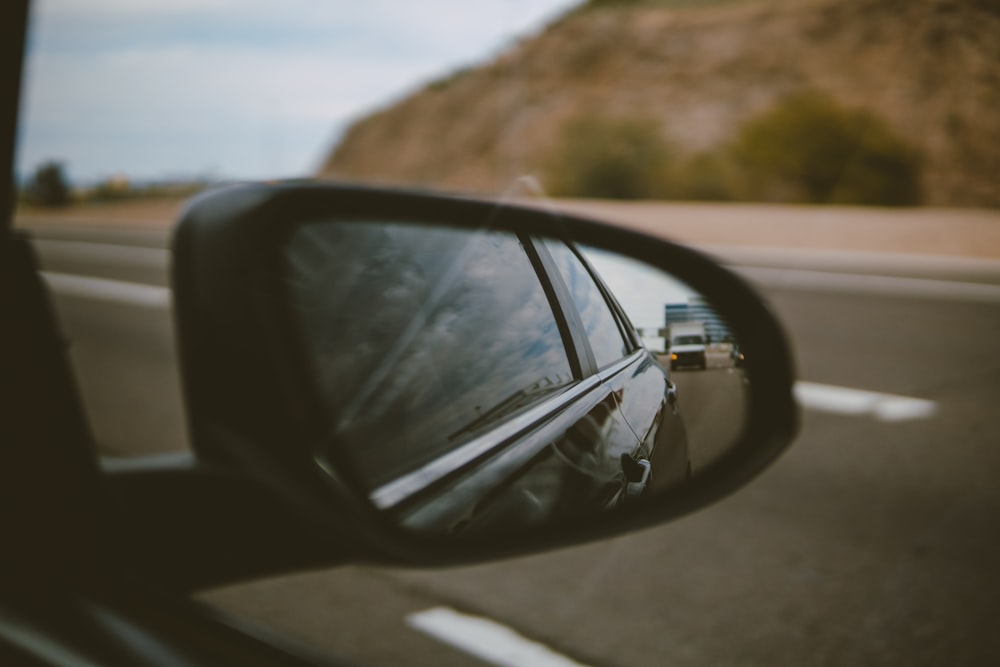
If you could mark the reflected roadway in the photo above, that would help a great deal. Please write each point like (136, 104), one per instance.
(712, 402)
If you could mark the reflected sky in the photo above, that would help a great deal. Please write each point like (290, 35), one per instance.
(641, 290)
(600, 324)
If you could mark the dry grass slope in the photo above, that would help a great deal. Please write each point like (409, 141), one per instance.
(929, 68)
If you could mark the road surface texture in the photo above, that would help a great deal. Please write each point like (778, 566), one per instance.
(873, 541)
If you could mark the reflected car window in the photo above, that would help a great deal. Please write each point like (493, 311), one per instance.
(465, 336)
(602, 328)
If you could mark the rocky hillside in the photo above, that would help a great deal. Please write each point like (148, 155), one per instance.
(929, 68)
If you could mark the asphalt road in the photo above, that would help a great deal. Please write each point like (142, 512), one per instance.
(712, 402)
(873, 541)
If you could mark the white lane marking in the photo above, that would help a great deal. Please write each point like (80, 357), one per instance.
(149, 296)
(845, 401)
(486, 639)
(829, 281)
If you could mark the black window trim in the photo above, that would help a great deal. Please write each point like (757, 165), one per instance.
(509, 463)
(514, 456)
(405, 486)
(577, 343)
(614, 369)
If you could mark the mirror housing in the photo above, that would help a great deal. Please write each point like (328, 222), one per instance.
(254, 412)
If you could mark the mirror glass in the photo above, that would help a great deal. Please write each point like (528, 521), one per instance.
(479, 381)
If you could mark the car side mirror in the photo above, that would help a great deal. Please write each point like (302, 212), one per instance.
(461, 379)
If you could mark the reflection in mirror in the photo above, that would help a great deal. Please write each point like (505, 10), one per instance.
(476, 382)
(692, 341)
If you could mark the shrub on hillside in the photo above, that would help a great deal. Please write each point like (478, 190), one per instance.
(810, 149)
(709, 176)
(609, 158)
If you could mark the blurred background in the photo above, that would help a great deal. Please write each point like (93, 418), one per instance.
(843, 155)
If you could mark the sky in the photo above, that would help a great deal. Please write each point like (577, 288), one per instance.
(236, 89)
(641, 290)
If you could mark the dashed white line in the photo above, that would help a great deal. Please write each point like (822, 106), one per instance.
(858, 402)
(486, 639)
(103, 289)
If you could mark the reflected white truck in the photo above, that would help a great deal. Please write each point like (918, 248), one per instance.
(686, 343)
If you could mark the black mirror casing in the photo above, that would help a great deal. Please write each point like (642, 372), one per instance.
(253, 410)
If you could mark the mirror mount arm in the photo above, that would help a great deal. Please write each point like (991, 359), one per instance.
(187, 526)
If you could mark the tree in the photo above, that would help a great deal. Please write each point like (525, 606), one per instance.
(48, 186)
(612, 158)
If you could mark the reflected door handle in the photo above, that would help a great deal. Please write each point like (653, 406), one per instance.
(672, 395)
(637, 475)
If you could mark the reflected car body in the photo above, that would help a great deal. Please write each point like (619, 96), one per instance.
(523, 393)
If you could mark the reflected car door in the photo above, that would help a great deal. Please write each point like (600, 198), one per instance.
(649, 402)
(634, 379)
(645, 395)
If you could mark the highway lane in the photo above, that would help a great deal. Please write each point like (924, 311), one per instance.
(125, 364)
(871, 542)
(122, 350)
